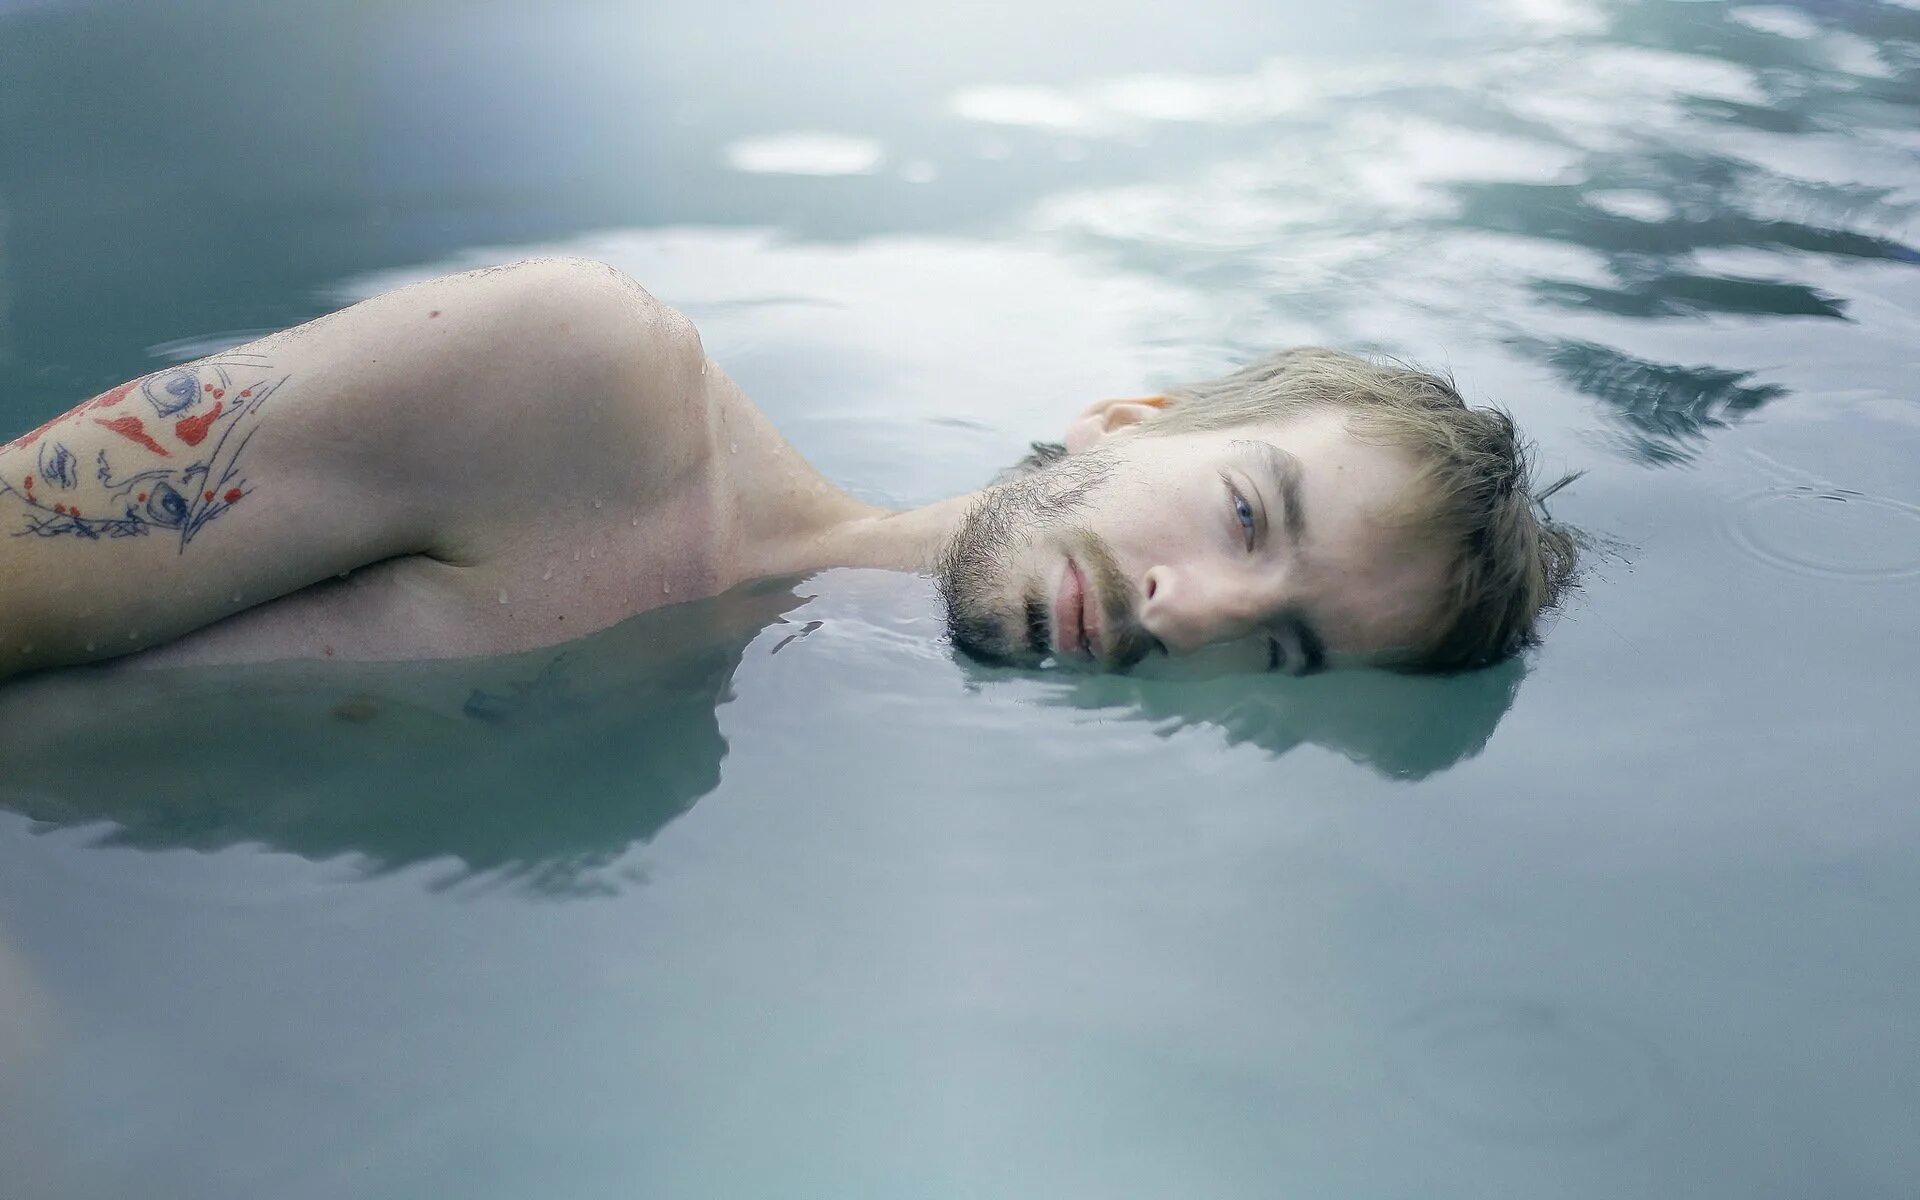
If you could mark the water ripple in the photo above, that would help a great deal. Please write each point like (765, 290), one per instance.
(1827, 533)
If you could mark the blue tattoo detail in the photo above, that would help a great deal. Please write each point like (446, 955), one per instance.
(177, 499)
(57, 465)
(167, 507)
(172, 393)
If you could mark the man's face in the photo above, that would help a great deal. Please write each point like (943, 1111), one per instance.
(1263, 545)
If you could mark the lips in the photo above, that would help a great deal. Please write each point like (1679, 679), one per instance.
(1076, 617)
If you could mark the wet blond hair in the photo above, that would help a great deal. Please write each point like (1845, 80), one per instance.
(1474, 491)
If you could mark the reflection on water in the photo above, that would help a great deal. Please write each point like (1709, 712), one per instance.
(1404, 727)
(1667, 409)
(1560, 177)
(805, 154)
(912, 927)
(543, 767)
(1599, 168)
(547, 768)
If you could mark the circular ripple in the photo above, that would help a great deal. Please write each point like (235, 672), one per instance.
(1530, 1071)
(1828, 533)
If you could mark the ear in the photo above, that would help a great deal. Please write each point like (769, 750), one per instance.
(1106, 419)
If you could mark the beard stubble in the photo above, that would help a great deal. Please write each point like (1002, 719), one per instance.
(1009, 519)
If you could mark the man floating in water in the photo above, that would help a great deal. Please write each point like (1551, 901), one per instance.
(518, 456)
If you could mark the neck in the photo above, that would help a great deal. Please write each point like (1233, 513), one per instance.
(789, 520)
(863, 536)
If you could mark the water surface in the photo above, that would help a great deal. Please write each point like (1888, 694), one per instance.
(771, 895)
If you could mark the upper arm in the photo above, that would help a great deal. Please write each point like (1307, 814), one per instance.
(431, 420)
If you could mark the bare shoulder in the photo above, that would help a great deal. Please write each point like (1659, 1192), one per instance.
(564, 388)
(444, 420)
(508, 359)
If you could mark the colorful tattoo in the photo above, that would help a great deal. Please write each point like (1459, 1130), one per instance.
(172, 465)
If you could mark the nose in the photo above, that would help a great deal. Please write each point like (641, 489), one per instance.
(1188, 609)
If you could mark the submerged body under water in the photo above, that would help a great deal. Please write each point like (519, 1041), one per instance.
(771, 893)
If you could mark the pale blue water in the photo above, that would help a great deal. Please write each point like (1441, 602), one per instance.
(772, 896)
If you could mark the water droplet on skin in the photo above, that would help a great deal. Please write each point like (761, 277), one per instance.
(132, 634)
(547, 576)
(90, 647)
(596, 504)
(236, 597)
(594, 552)
(635, 522)
(666, 589)
(734, 448)
(343, 574)
(503, 595)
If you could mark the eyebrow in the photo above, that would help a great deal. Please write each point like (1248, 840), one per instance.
(1283, 476)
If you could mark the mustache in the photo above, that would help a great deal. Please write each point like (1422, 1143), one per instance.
(1127, 642)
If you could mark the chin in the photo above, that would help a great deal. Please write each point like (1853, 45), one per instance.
(1004, 629)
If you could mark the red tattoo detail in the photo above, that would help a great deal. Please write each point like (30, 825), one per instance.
(143, 497)
(433, 314)
(134, 430)
(193, 430)
(28, 439)
(206, 387)
(29, 482)
(234, 494)
(209, 497)
(112, 396)
(106, 399)
(219, 392)
(245, 392)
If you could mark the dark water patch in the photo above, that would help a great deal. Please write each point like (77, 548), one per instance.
(1561, 213)
(1685, 295)
(1537, 1071)
(1754, 116)
(1667, 408)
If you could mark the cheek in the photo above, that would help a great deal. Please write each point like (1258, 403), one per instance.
(1394, 607)
(1172, 524)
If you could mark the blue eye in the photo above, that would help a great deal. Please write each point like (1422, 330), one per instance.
(1243, 512)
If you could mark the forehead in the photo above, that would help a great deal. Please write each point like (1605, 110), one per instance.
(1368, 576)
